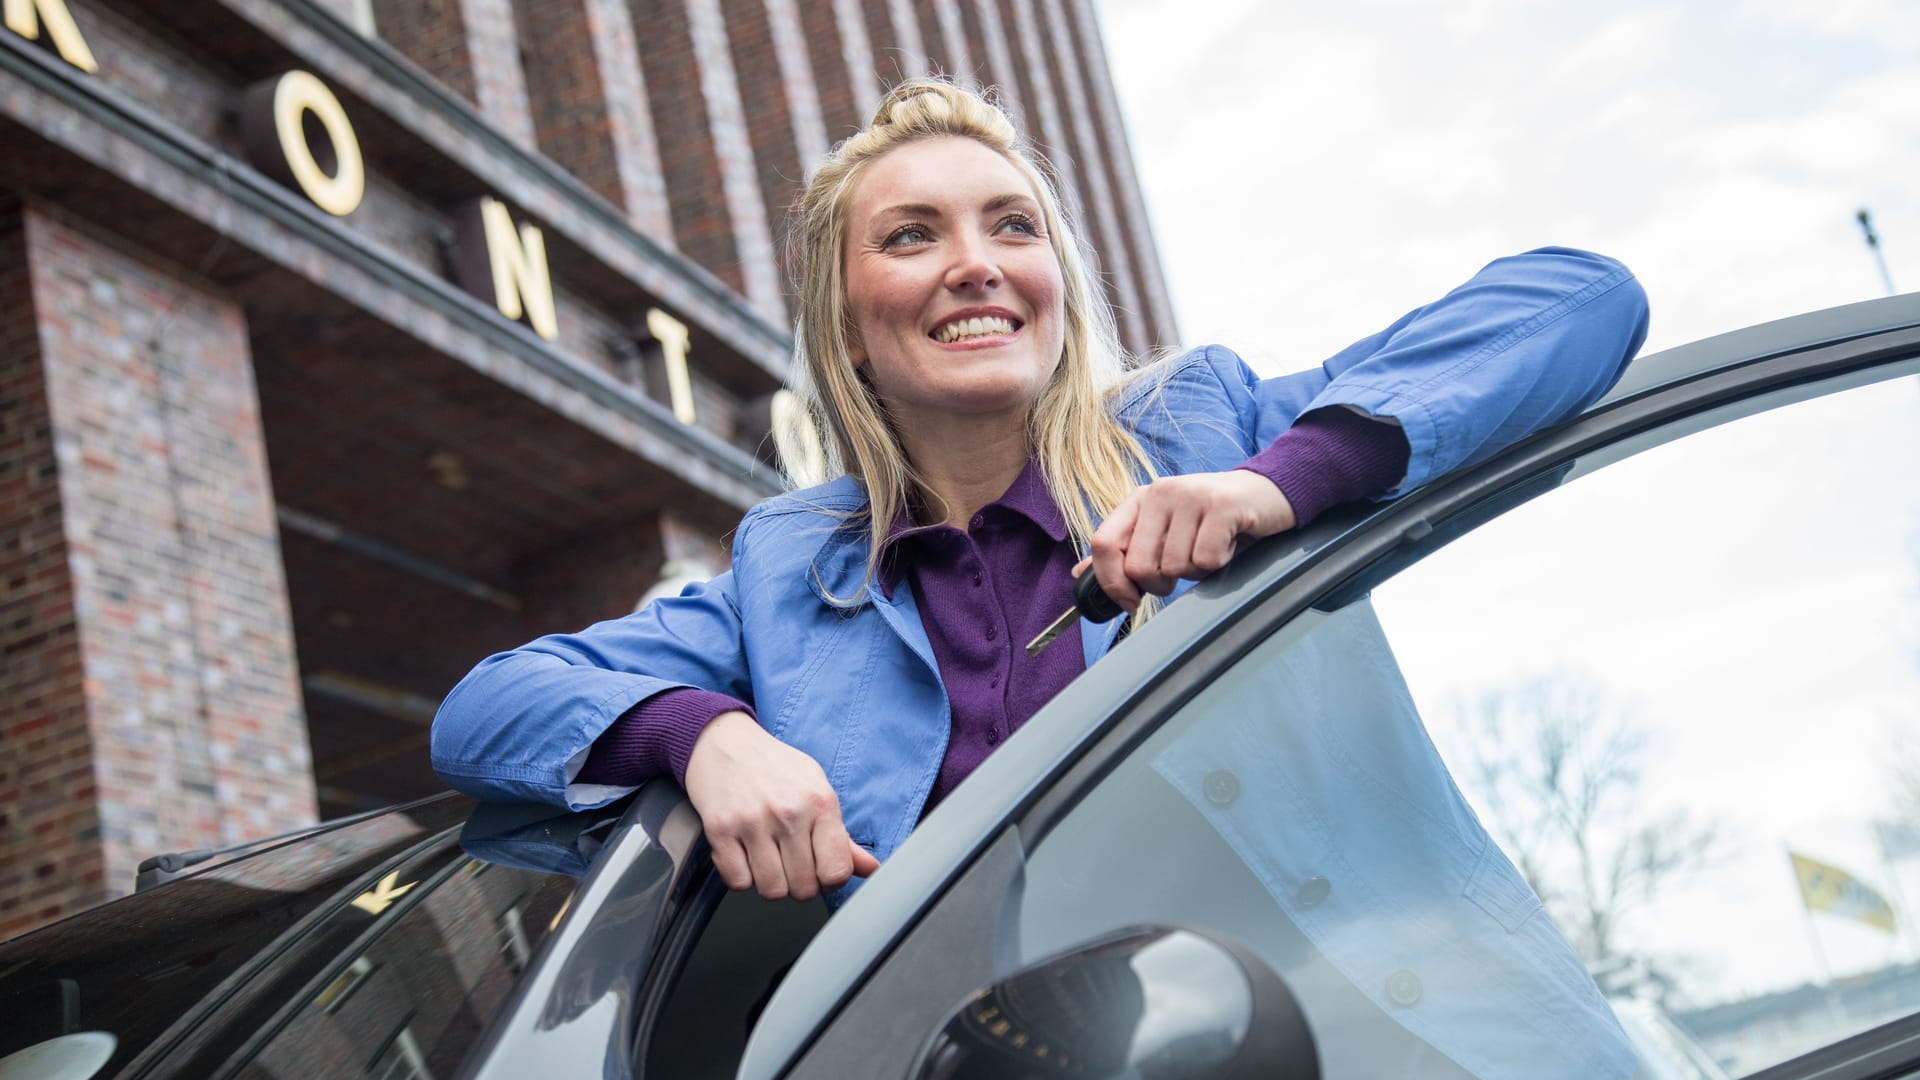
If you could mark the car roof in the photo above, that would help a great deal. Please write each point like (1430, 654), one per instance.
(1794, 333)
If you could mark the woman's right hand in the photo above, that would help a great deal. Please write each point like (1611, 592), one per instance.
(771, 818)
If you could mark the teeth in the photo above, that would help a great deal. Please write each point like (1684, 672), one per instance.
(966, 328)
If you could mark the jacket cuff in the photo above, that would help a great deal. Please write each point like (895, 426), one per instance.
(654, 737)
(1330, 456)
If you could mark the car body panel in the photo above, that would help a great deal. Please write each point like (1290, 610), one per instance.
(577, 1010)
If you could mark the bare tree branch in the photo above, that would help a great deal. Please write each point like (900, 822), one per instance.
(1556, 767)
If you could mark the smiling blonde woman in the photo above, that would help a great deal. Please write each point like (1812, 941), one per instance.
(864, 654)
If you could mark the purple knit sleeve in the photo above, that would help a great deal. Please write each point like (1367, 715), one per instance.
(654, 737)
(1330, 456)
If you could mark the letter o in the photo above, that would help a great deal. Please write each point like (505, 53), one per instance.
(796, 439)
(273, 124)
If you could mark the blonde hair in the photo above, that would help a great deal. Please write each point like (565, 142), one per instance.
(1090, 462)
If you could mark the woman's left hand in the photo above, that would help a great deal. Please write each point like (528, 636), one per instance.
(1183, 527)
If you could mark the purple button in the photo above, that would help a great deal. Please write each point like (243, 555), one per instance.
(990, 631)
(993, 737)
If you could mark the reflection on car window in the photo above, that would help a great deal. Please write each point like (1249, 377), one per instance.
(138, 968)
(1298, 806)
(1687, 710)
(417, 997)
(1651, 687)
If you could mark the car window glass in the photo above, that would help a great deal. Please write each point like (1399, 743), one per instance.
(414, 998)
(1688, 712)
(739, 959)
(1679, 694)
(139, 967)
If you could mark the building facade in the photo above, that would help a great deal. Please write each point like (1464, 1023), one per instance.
(343, 342)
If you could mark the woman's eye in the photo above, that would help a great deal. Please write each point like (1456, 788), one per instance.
(906, 234)
(1021, 223)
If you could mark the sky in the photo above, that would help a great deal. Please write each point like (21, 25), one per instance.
(1750, 598)
(1314, 170)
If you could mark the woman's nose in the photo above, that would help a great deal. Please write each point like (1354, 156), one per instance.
(973, 266)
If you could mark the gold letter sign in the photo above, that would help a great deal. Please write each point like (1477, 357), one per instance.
(796, 440)
(671, 333)
(505, 267)
(25, 16)
(273, 123)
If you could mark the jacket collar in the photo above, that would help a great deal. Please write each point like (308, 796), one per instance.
(839, 565)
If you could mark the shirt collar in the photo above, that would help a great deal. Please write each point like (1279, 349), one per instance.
(1027, 496)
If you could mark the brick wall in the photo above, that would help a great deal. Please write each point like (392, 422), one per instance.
(1103, 224)
(766, 99)
(50, 856)
(569, 97)
(189, 708)
(499, 81)
(148, 698)
(432, 34)
(842, 110)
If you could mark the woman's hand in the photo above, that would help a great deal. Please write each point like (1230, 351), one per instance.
(771, 818)
(1182, 527)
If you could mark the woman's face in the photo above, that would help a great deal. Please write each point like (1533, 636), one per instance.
(952, 284)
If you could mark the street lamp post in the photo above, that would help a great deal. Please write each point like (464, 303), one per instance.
(1873, 243)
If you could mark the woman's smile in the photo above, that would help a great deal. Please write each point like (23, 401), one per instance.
(977, 328)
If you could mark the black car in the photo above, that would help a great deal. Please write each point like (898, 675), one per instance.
(1065, 913)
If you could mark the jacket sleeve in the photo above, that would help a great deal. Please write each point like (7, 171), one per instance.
(1529, 341)
(519, 726)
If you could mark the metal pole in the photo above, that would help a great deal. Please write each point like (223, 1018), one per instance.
(1873, 243)
(1903, 932)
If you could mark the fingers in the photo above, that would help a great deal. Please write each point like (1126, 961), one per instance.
(796, 866)
(769, 873)
(1182, 527)
(1147, 548)
(1176, 547)
(1108, 548)
(730, 862)
(1214, 543)
(771, 818)
(832, 853)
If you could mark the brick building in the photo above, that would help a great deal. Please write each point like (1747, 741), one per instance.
(343, 342)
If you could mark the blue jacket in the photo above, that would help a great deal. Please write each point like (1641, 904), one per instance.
(1529, 341)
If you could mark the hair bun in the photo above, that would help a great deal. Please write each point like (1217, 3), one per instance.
(935, 105)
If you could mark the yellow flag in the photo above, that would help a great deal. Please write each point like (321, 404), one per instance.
(1824, 887)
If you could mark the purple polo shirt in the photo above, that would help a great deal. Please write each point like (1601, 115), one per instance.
(983, 593)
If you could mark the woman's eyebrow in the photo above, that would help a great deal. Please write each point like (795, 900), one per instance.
(928, 210)
(1001, 202)
(910, 210)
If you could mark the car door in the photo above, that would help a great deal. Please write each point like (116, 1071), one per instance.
(1617, 724)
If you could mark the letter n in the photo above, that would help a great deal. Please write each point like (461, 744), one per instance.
(505, 266)
(25, 16)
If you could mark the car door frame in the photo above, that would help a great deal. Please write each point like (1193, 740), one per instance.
(967, 852)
